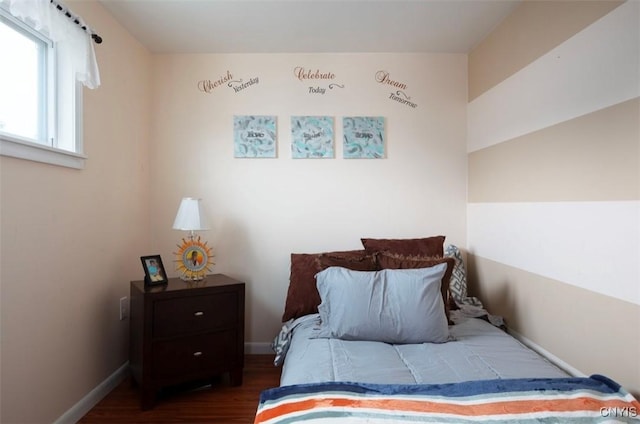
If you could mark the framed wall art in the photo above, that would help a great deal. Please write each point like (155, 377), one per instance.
(254, 136)
(363, 137)
(311, 137)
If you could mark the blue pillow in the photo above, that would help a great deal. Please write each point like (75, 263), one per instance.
(391, 306)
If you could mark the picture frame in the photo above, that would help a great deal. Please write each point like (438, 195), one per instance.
(364, 137)
(154, 273)
(255, 136)
(312, 137)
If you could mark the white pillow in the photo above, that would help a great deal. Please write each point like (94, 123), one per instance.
(392, 305)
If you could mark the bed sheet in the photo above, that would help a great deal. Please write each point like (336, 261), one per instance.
(479, 351)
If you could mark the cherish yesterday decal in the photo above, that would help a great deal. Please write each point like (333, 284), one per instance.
(208, 86)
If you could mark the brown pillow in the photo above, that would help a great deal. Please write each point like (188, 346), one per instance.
(302, 295)
(358, 260)
(388, 260)
(428, 247)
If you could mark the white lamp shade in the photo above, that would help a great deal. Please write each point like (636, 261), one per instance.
(191, 216)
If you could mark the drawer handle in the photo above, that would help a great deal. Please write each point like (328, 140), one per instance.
(199, 314)
(197, 353)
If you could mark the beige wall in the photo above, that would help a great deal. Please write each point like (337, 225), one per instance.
(71, 241)
(554, 182)
(569, 161)
(593, 333)
(262, 210)
(534, 28)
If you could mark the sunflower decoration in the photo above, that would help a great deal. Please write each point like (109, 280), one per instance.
(193, 259)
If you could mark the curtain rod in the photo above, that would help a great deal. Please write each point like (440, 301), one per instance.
(77, 20)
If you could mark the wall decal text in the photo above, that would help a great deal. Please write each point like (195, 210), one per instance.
(240, 85)
(400, 96)
(207, 85)
(317, 90)
(396, 97)
(309, 74)
(383, 78)
(316, 76)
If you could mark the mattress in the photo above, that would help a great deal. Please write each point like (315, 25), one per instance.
(477, 351)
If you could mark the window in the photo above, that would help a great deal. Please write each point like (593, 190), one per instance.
(23, 83)
(40, 105)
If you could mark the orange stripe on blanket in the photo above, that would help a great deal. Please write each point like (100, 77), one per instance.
(489, 408)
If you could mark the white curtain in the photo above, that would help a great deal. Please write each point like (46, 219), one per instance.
(74, 45)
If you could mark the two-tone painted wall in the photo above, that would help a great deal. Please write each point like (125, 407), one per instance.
(553, 212)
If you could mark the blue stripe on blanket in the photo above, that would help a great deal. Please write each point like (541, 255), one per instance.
(597, 383)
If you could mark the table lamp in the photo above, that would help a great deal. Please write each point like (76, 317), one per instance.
(193, 258)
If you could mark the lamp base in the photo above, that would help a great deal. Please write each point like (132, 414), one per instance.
(193, 278)
(193, 259)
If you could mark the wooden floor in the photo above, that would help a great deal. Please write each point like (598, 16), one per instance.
(218, 403)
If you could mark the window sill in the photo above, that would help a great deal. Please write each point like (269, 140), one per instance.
(38, 153)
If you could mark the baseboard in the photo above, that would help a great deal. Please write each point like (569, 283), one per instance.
(548, 355)
(255, 348)
(97, 394)
(85, 404)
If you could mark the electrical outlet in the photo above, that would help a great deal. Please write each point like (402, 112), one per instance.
(124, 308)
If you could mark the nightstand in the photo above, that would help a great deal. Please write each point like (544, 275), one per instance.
(185, 331)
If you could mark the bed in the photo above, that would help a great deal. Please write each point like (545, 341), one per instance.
(388, 334)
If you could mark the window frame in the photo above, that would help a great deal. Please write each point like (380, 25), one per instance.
(24, 148)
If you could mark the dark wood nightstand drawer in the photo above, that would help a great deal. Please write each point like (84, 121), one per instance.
(184, 332)
(194, 314)
(196, 355)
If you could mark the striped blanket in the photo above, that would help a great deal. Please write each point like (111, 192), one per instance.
(546, 400)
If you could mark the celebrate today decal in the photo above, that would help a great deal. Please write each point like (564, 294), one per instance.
(317, 79)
